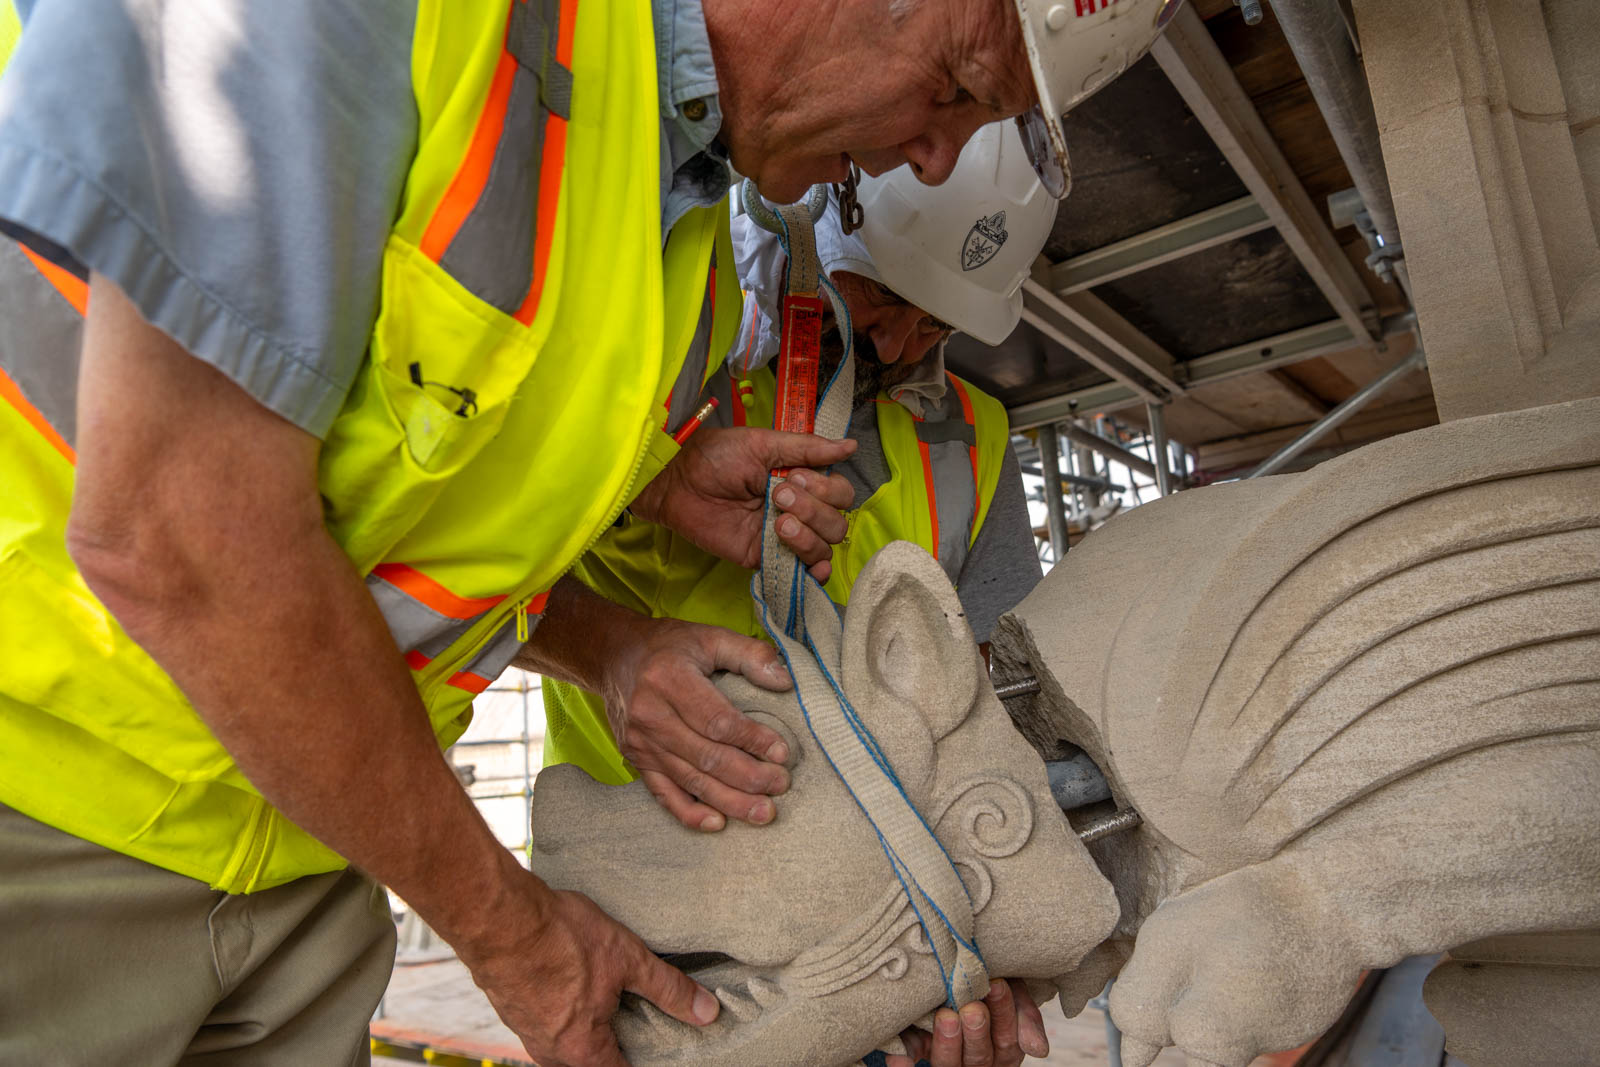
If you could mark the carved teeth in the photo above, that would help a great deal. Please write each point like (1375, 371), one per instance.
(741, 1007)
(764, 991)
(656, 1019)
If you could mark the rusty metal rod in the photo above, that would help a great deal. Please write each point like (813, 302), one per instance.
(1115, 823)
(1021, 688)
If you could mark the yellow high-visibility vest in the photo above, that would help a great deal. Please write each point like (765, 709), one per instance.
(516, 394)
(943, 469)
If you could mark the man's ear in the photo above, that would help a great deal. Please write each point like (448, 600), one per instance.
(910, 664)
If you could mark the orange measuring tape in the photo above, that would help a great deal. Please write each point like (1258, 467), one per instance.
(799, 363)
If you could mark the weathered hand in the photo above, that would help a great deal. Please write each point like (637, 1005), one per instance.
(994, 1032)
(701, 757)
(714, 493)
(554, 966)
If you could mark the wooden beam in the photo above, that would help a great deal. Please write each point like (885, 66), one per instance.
(1197, 69)
(1113, 335)
(1303, 398)
(1205, 229)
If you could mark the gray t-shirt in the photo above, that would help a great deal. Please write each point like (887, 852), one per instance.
(233, 166)
(1002, 567)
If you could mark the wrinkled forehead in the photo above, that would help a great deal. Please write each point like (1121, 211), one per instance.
(988, 55)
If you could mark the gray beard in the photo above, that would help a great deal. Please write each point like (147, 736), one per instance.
(872, 377)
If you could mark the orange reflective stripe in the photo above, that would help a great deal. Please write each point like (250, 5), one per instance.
(552, 169)
(472, 683)
(474, 173)
(13, 396)
(933, 498)
(73, 288)
(972, 449)
(419, 586)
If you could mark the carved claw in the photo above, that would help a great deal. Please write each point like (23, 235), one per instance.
(1136, 1053)
(1238, 940)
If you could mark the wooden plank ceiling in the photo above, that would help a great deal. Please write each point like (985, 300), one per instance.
(1141, 160)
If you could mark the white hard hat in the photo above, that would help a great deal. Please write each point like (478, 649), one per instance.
(961, 250)
(1074, 48)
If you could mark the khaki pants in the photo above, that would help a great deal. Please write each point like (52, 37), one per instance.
(105, 959)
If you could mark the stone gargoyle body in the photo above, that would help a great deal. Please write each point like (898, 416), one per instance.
(1358, 710)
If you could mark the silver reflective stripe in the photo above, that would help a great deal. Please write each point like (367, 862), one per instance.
(414, 625)
(41, 336)
(956, 496)
(492, 253)
(502, 648)
(950, 438)
(685, 399)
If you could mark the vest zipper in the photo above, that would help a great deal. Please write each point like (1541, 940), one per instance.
(520, 597)
(522, 620)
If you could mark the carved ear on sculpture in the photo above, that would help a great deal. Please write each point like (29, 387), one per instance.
(907, 643)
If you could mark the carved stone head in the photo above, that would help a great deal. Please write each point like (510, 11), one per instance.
(801, 927)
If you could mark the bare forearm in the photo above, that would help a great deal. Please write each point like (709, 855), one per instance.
(581, 635)
(294, 670)
(196, 519)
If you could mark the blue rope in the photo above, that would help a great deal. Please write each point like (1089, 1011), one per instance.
(870, 742)
(799, 587)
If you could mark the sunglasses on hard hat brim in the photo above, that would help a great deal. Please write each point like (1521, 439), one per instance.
(1049, 163)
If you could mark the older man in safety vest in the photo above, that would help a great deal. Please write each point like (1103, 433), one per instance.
(333, 335)
(934, 463)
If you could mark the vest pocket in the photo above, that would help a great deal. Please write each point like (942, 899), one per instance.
(440, 375)
(66, 655)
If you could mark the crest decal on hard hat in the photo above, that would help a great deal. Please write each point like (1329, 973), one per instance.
(983, 240)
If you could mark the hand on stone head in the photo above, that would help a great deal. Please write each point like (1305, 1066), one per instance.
(714, 494)
(555, 967)
(806, 89)
(700, 757)
(997, 1031)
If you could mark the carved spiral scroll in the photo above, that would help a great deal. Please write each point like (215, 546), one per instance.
(994, 816)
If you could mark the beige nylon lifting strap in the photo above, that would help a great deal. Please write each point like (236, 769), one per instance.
(808, 632)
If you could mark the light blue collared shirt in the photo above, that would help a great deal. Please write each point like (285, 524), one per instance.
(694, 168)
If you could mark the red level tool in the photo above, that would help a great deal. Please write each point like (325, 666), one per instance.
(799, 360)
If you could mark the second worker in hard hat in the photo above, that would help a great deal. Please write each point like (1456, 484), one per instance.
(933, 464)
